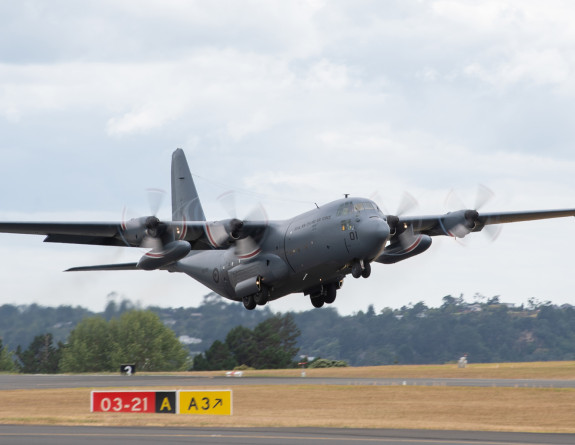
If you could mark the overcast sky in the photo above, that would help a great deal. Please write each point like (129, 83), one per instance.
(289, 103)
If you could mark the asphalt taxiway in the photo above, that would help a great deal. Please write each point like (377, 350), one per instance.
(43, 381)
(74, 435)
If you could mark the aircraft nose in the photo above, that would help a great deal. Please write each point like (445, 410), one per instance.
(377, 234)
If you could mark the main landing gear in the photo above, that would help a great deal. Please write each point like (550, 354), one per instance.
(326, 295)
(360, 268)
(259, 299)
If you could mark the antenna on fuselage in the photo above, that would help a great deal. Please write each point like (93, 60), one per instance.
(346, 195)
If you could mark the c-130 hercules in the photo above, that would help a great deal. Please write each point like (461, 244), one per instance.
(259, 261)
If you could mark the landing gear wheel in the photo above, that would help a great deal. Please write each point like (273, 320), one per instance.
(356, 269)
(316, 300)
(331, 293)
(249, 302)
(366, 270)
(262, 297)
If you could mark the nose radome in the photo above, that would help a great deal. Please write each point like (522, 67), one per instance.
(375, 236)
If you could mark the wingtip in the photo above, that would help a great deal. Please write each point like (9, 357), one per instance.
(104, 267)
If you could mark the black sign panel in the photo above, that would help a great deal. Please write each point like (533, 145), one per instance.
(128, 369)
(166, 402)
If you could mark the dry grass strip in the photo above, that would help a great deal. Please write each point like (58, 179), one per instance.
(495, 409)
(534, 370)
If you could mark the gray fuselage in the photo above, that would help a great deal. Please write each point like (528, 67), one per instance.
(297, 255)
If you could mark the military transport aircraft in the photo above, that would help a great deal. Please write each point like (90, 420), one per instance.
(256, 261)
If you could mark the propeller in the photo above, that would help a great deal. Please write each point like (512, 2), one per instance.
(470, 218)
(406, 204)
(155, 199)
(248, 237)
(152, 234)
(249, 247)
(400, 233)
(146, 231)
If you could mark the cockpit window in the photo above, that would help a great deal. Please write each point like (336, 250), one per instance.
(345, 209)
(364, 206)
(349, 207)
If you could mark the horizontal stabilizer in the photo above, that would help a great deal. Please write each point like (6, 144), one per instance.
(121, 266)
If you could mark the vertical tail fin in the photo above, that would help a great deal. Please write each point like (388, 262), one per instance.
(186, 204)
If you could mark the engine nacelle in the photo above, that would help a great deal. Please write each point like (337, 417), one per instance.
(133, 231)
(170, 253)
(223, 234)
(459, 224)
(399, 251)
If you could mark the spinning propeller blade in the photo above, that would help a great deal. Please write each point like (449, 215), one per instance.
(248, 240)
(483, 196)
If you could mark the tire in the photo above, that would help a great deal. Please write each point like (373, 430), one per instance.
(262, 297)
(331, 293)
(366, 270)
(356, 270)
(316, 301)
(249, 302)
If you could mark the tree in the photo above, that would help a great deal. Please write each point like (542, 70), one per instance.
(41, 357)
(217, 357)
(90, 347)
(276, 340)
(141, 338)
(271, 345)
(137, 337)
(6, 360)
(241, 343)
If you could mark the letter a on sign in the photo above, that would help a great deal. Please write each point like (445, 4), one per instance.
(166, 402)
(166, 405)
(206, 402)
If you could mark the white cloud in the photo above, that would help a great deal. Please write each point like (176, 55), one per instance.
(295, 102)
(535, 68)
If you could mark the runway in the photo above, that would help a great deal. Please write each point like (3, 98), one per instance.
(44, 381)
(64, 435)
(73, 435)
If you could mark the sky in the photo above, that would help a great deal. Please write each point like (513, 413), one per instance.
(289, 104)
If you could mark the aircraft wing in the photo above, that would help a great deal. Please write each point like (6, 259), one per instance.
(509, 217)
(201, 235)
(120, 266)
(98, 233)
(473, 221)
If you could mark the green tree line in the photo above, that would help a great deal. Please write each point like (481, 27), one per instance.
(203, 324)
(486, 330)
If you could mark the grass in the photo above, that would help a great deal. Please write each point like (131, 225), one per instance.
(439, 407)
(496, 409)
(534, 370)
